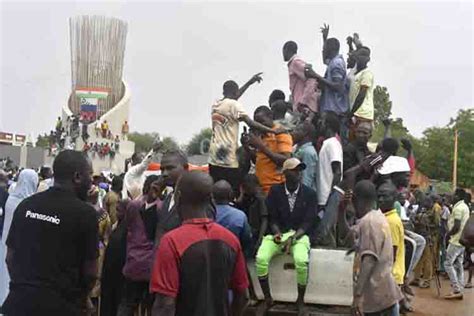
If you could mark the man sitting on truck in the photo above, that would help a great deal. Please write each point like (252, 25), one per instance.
(292, 212)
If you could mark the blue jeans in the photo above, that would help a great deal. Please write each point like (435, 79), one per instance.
(454, 267)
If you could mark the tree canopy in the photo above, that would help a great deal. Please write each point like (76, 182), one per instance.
(43, 141)
(199, 144)
(144, 141)
(434, 151)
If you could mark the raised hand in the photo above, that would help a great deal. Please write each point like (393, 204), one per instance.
(356, 40)
(325, 31)
(349, 40)
(245, 139)
(257, 78)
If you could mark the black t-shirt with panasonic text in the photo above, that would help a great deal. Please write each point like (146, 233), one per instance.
(52, 235)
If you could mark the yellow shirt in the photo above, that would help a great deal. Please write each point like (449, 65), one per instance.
(363, 78)
(398, 240)
(460, 212)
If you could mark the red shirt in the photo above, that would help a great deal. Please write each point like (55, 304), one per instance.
(196, 264)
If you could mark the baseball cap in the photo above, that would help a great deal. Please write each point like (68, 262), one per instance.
(293, 163)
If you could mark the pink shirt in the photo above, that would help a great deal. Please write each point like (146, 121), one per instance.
(302, 90)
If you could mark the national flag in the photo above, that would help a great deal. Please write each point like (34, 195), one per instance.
(89, 101)
(88, 108)
(92, 93)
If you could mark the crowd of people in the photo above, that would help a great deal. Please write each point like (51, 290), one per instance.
(177, 243)
(66, 133)
(102, 150)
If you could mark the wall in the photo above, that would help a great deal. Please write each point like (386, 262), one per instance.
(14, 152)
(25, 157)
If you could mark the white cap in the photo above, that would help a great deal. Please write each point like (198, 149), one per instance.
(394, 164)
(292, 163)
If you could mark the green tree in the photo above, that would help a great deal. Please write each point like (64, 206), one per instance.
(435, 156)
(42, 141)
(382, 111)
(169, 143)
(436, 153)
(143, 141)
(382, 105)
(464, 123)
(199, 144)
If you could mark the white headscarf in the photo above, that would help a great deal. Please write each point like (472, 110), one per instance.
(26, 186)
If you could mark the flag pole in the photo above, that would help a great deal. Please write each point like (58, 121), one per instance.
(455, 160)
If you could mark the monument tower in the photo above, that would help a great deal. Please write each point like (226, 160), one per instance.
(98, 91)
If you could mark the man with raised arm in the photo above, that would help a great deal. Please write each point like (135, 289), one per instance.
(303, 89)
(227, 113)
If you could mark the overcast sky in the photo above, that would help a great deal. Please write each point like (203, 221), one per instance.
(178, 54)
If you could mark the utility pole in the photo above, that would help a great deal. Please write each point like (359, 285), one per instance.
(455, 160)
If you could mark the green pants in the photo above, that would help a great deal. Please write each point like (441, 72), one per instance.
(299, 250)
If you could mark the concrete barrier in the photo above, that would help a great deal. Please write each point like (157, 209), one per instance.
(330, 278)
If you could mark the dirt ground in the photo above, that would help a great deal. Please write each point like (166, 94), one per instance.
(427, 303)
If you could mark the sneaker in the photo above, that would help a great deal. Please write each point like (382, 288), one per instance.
(468, 285)
(425, 285)
(454, 296)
